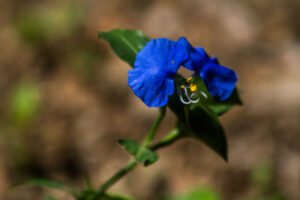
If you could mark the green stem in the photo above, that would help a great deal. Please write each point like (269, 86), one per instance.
(132, 162)
(173, 136)
(151, 133)
(122, 172)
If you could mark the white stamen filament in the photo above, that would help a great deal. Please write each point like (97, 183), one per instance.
(180, 96)
(192, 97)
(203, 94)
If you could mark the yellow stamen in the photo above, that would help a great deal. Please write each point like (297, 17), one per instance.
(188, 80)
(193, 88)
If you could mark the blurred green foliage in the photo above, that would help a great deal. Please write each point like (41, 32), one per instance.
(37, 25)
(273, 197)
(50, 197)
(24, 103)
(201, 193)
(262, 174)
(83, 61)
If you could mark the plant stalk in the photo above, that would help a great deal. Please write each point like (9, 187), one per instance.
(153, 130)
(132, 162)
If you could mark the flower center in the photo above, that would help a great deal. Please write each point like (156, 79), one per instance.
(188, 92)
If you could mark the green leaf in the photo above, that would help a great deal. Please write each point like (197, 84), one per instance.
(125, 43)
(140, 153)
(220, 109)
(204, 125)
(200, 122)
(42, 182)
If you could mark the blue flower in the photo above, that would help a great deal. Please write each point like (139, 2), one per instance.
(155, 67)
(219, 80)
(198, 57)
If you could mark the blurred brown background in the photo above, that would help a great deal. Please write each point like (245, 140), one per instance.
(65, 99)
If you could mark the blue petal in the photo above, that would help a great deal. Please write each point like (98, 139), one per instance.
(214, 60)
(220, 81)
(161, 53)
(154, 69)
(198, 56)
